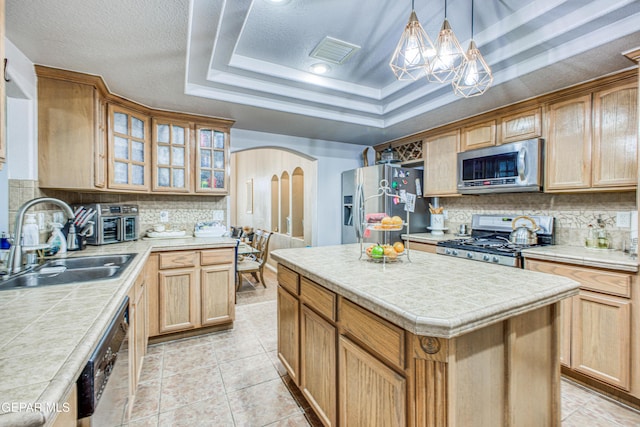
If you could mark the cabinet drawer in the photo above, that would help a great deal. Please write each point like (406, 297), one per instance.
(422, 247)
(610, 282)
(217, 256)
(178, 259)
(384, 338)
(288, 279)
(318, 298)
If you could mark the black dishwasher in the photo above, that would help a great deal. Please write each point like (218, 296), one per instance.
(95, 375)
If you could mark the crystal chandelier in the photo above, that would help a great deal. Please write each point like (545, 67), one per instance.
(474, 77)
(410, 60)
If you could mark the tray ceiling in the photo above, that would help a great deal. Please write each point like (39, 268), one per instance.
(249, 60)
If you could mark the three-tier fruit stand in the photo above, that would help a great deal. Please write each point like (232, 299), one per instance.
(376, 227)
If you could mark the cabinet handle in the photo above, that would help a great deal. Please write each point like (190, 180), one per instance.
(4, 72)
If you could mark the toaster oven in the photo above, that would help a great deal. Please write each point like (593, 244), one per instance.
(114, 223)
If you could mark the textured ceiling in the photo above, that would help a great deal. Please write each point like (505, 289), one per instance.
(248, 60)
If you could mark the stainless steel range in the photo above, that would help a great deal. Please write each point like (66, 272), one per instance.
(490, 239)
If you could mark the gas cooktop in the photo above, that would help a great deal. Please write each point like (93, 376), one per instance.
(489, 241)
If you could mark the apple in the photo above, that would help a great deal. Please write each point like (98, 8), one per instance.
(377, 252)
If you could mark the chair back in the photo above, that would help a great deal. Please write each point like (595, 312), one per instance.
(261, 242)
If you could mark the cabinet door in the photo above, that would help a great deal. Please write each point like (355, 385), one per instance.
(217, 293)
(615, 137)
(318, 364)
(478, 136)
(128, 149)
(371, 393)
(601, 337)
(568, 146)
(178, 300)
(212, 158)
(100, 159)
(566, 313)
(289, 332)
(521, 126)
(440, 164)
(171, 153)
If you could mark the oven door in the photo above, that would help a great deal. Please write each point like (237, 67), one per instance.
(110, 230)
(514, 167)
(129, 228)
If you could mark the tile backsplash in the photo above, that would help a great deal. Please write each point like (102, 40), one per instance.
(572, 212)
(184, 211)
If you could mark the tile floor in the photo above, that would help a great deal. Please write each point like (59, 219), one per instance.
(233, 378)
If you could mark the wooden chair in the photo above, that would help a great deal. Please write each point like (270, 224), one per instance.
(255, 265)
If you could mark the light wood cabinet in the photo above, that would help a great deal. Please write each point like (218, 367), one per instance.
(521, 126)
(212, 159)
(171, 156)
(129, 149)
(189, 290)
(3, 127)
(117, 145)
(568, 145)
(71, 119)
(138, 330)
(289, 333)
(370, 392)
(601, 337)
(318, 364)
(422, 247)
(440, 164)
(478, 136)
(615, 137)
(596, 326)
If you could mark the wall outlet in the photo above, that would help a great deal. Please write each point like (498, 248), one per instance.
(41, 221)
(623, 219)
(164, 216)
(217, 215)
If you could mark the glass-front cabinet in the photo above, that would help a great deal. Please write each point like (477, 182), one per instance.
(171, 156)
(212, 158)
(128, 149)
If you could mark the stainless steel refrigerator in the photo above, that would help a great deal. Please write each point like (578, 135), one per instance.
(358, 185)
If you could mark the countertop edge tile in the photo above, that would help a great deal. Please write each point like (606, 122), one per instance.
(615, 260)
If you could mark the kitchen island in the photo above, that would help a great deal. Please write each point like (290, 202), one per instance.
(437, 341)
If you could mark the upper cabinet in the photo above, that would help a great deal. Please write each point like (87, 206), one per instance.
(3, 143)
(89, 139)
(479, 135)
(592, 141)
(171, 157)
(440, 164)
(212, 160)
(128, 149)
(521, 126)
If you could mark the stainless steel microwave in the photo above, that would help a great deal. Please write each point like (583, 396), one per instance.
(507, 168)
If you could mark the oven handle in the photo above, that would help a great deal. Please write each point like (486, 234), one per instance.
(121, 227)
(521, 163)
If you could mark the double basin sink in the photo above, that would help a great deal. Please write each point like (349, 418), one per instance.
(70, 270)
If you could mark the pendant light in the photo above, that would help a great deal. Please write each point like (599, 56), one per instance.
(449, 55)
(474, 77)
(410, 60)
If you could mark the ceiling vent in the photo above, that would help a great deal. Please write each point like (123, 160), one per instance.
(334, 50)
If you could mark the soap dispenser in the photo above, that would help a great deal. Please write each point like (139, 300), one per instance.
(30, 231)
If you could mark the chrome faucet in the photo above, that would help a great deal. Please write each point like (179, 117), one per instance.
(14, 262)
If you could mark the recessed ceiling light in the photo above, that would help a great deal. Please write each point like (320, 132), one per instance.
(320, 68)
(278, 1)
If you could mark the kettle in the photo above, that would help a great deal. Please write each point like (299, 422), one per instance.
(523, 235)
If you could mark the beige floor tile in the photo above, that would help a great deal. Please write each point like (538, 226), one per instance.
(612, 412)
(262, 404)
(147, 400)
(247, 372)
(190, 387)
(151, 367)
(212, 412)
(187, 343)
(189, 358)
(155, 349)
(233, 347)
(273, 355)
(151, 421)
(112, 407)
(298, 420)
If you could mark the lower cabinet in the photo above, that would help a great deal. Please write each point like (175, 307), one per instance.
(289, 332)
(138, 329)
(596, 325)
(420, 246)
(371, 393)
(190, 290)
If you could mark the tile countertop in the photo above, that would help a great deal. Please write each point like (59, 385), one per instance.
(578, 255)
(48, 333)
(433, 295)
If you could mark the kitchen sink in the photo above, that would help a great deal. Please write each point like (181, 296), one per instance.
(70, 270)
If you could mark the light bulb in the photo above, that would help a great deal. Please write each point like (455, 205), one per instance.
(471, 73)
(412, 52)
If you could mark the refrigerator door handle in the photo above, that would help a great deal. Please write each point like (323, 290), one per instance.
(358, 207)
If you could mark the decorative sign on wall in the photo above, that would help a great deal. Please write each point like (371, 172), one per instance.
(250, 195)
